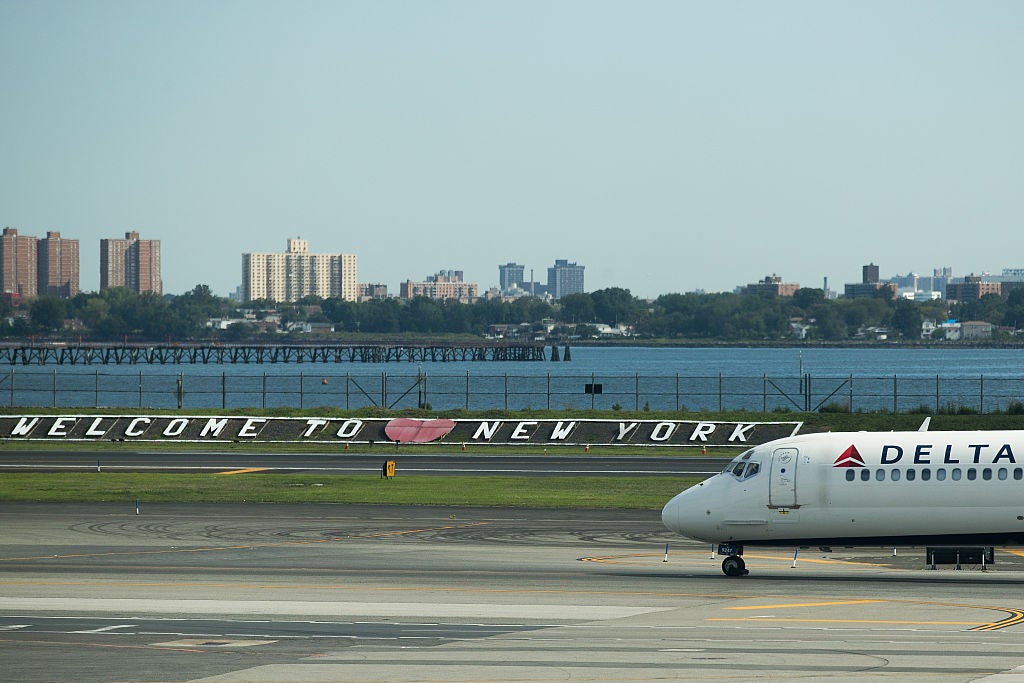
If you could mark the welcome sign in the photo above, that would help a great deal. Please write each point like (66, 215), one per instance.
(503, 431)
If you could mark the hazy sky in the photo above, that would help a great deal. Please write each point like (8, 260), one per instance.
(667, 146)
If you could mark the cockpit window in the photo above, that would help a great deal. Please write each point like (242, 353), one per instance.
(743, 466)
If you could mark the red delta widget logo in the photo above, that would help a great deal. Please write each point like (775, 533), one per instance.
(849, 458)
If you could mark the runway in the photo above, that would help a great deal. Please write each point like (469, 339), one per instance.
(365, 593)
(340, 462)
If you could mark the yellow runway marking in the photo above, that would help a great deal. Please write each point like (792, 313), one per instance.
(849, 621)
(624, 559)
(807, 604)
(247, 470)
(1016, 617)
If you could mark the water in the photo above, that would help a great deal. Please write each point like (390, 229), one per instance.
(629, 377)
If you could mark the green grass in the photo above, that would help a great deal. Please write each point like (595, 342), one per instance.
(601, 492)
(563, 492)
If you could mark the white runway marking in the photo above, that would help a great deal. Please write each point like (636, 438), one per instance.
(106, 628)
(376, 609)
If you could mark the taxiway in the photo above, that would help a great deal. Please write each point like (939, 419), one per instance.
(268, 593)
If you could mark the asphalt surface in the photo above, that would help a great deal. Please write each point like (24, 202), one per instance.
(262, 593)
(345, 463)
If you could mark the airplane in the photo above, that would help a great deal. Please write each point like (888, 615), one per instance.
(923, 488)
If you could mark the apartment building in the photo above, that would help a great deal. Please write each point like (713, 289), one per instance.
(58, 266)
(132, 263)
(972, 289)
(771, 285)
(19, 263)
(511, 275)
(565, 278)
(445, 286)
(296, 273)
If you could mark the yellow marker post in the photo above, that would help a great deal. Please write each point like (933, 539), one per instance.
(388, 470)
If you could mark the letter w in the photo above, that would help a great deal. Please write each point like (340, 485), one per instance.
(560, 432)
(24, 428)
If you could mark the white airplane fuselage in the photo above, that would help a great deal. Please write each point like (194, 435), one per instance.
(863, 488)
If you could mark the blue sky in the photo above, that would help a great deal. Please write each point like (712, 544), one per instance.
(666, 146)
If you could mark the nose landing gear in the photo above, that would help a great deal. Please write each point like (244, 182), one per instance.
(734, 566)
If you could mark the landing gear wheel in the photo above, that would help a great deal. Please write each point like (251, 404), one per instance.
(734, 566)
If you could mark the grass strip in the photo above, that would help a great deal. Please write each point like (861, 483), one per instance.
(558, 492)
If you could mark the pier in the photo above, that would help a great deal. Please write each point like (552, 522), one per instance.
(182, 353)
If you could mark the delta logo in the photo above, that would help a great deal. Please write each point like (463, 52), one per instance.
(849, 458)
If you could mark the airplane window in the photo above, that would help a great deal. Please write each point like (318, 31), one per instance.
(1018, 473)
(895, 474)
(911, 475)
(986, 474)
(879, 475)
(865, 475)
(926, 474)
(972, 474)
(1002, 474)
(850, 475)
(940, 474)
(737, 464)
(752, 469)
(955, 474)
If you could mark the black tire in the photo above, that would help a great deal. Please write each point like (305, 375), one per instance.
(734, 566)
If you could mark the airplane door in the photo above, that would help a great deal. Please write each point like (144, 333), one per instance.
(782, 483)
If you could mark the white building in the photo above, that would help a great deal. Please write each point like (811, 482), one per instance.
(290, 276)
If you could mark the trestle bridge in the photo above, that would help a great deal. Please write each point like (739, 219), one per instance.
(182, 353)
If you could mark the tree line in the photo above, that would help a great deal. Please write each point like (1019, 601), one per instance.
(118, 314)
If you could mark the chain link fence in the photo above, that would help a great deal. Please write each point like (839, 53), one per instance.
(70, 388)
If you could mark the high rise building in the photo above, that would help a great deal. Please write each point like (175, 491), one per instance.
(869, 285)
(510, 275)
(565, 278)
(58, 266)
(296, 273)
(18, 263)
(131, 262)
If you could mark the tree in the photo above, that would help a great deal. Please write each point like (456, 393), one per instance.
(422, 314)
(989, 308)
(48, 313)
(379, 315)
(1014, 316)
(529, 309)
(457, 318)
(237, 332)
(906, 319)
(342, 313)
(806, 297)
(614, 305)
(194, 309)
(577, 308)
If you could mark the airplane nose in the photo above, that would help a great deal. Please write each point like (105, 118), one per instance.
(670, 514)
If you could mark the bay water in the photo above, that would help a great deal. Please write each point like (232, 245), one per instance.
(599, 377)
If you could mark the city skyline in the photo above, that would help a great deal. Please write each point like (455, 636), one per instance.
(669, 145)
(336, 274)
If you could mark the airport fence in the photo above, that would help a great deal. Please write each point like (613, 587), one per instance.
(116, 388)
